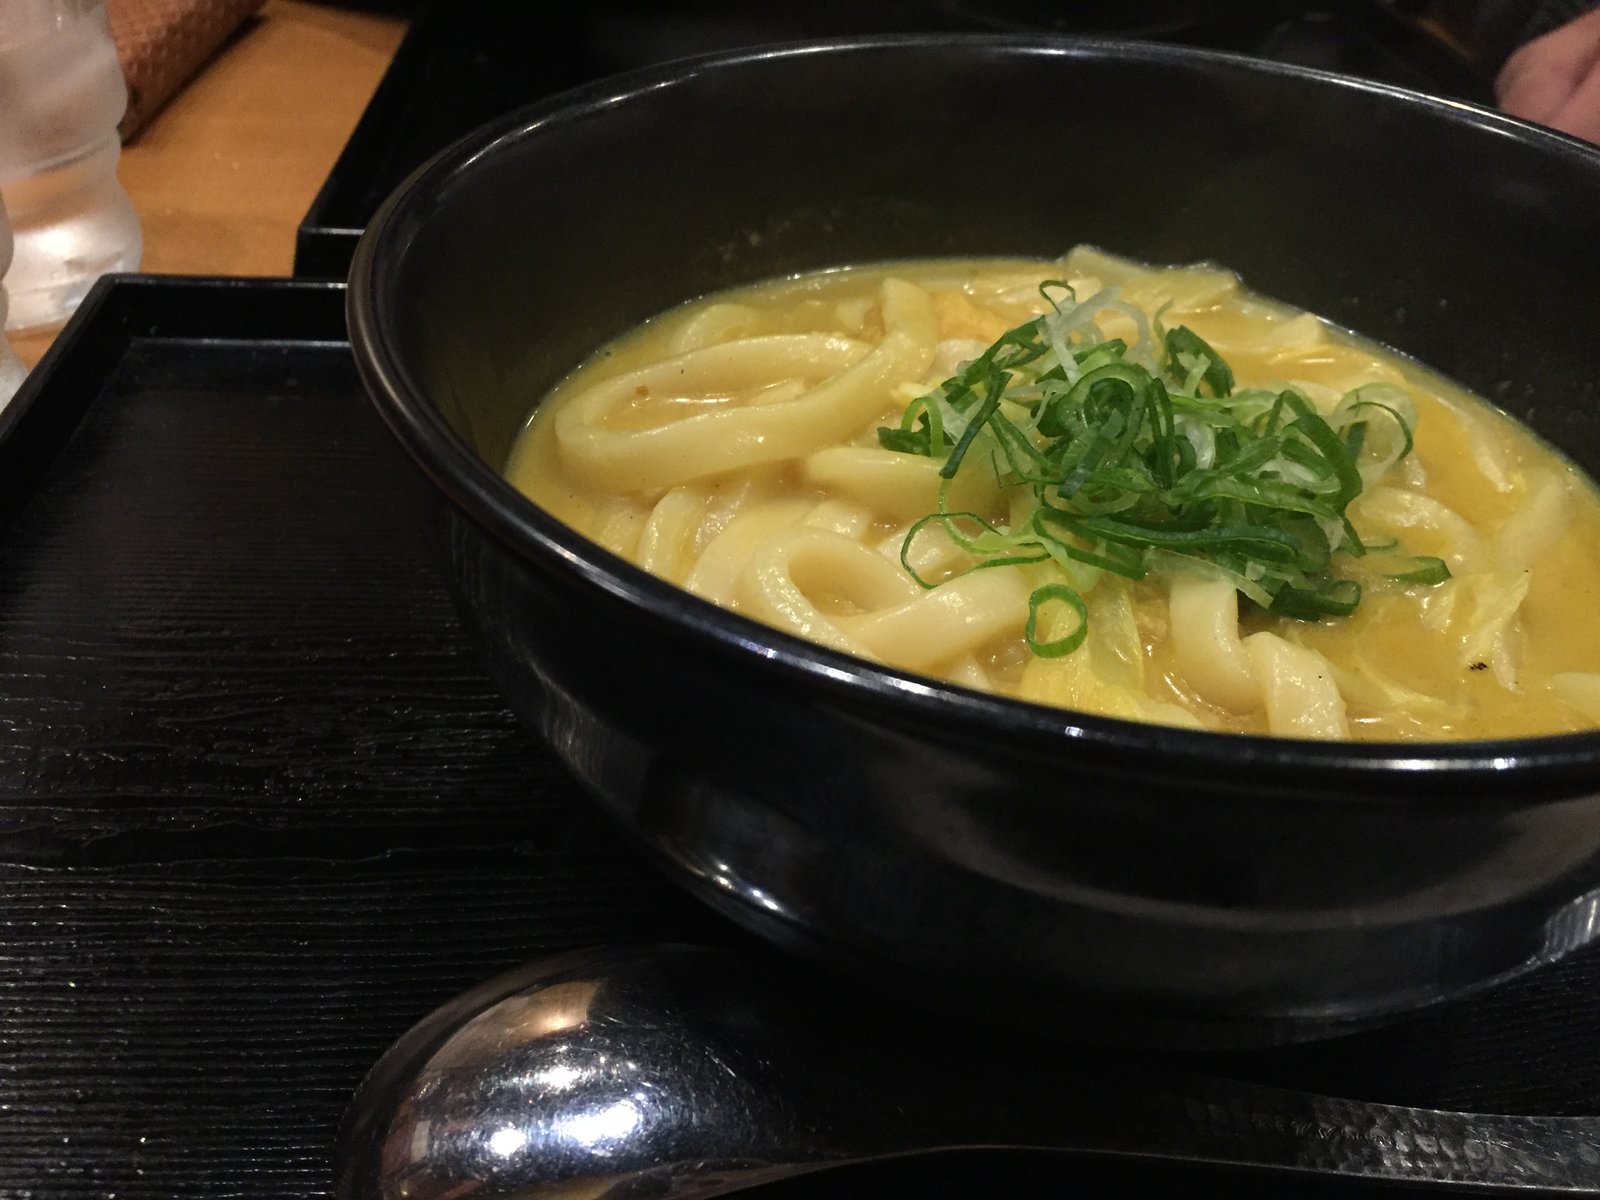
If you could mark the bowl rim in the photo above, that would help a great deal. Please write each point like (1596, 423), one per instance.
(1349, 772)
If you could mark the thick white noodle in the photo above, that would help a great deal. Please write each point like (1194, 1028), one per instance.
(1581, 689)
(666, 546)
(712, 324)
(1538, 525)
(902, 487)
(1298, 688)
(716, 574)
(793, 573)
(1206, 647)
(850, 390)
(1396, 510)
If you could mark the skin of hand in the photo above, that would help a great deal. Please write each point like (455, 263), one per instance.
(1555, 79)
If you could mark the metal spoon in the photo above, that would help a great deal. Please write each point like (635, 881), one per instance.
(671, 1071)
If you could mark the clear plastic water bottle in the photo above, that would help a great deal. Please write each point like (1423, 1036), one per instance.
(11, 368)
(61, 97)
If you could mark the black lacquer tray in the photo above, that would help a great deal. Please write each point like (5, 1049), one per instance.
(260, 809)
(466, 62)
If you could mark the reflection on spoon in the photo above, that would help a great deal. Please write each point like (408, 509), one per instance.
(671, 1071)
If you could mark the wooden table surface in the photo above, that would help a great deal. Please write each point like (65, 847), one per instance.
(222, 176)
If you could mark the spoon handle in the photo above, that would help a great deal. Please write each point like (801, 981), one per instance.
(1221, 1122)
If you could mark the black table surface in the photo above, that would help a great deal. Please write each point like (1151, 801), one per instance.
(261, 809)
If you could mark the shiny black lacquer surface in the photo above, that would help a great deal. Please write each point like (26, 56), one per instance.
(465, 62)
(1004, 853)
(261, 809)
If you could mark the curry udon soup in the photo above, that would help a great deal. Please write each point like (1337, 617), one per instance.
(1090, 483)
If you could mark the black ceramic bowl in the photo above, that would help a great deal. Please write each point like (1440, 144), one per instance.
(987, 852)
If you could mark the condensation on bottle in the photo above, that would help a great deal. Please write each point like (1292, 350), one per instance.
(11, 368)
(62, 95)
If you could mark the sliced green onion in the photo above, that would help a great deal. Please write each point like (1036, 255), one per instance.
(1216, 374)
(1428, 570)
(927, 439)
(1132, 468)
(1062, 645)
(1337, 599)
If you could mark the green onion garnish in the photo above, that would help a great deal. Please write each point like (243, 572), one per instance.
(1147, 457)
(1062, 645)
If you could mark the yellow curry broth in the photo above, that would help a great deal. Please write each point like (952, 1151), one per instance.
(1398, 659)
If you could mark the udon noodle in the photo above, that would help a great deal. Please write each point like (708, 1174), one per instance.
(733, 448)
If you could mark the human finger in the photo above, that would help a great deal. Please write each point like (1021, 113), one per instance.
(1541, 77)
(1580, 114)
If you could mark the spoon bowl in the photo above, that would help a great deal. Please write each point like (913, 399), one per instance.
(676, 1071)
